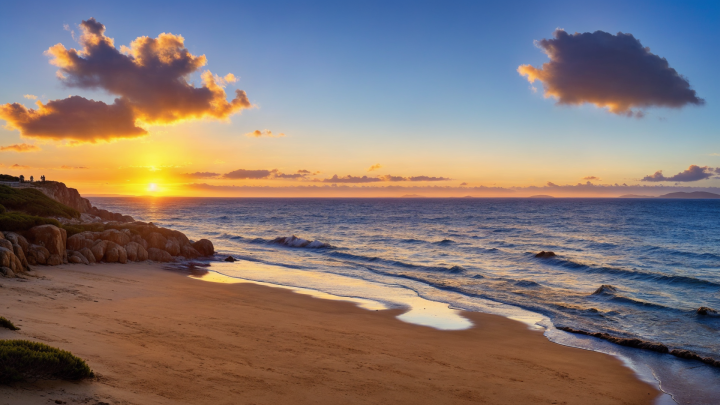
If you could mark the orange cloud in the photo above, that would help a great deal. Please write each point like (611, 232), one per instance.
(389, 178)
(150, 77)
(374, 167)
(20, 147)
(265, 132)
(590, 178)
(610, 71)
(30, 97)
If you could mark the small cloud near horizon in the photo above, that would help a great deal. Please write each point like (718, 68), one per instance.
(591, 178)
(692, 173)
(30, 97)
(20, 147)
(374, 167)
(64, 167)
(201, 175)
(387, 178)
(265, 132)
(610, 71)
(19, 167)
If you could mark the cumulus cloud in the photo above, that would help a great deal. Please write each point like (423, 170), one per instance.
(611, 71)
(20, 147)
(18, 167)
(374, 167)
(201, 175)
(30, 97)
(692, 173)
(244, 174)
(150, 77)
(265, 132)
(591, 178)
(388, 178)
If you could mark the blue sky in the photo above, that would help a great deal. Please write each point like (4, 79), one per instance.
(427, 87)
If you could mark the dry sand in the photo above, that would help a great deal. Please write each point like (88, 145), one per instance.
(158, 337)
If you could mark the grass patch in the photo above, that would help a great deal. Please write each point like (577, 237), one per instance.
(34, 202)
(22, 360)
(5, 323)
(18, 222)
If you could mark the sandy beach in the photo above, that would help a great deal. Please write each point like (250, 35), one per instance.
(154, 336)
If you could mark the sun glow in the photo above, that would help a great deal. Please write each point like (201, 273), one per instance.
(152, 187)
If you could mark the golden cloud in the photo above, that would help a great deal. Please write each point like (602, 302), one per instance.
(150, 77)
(265, 132)
(374, 167)
(20, 147)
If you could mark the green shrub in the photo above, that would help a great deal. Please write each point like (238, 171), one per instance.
(25, 360)
(18, 222)
(2, 209)
(4, 323)
(34, 202)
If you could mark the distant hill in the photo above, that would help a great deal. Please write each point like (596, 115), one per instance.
(635, 196)
(695, 195)
(413, 196)
(541, 196)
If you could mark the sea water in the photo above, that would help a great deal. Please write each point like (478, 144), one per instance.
(660, 257)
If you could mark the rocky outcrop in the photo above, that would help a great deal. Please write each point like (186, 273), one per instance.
(205, 247)
(545, 255)
(68, 196)
(51, 237)
(158, 255)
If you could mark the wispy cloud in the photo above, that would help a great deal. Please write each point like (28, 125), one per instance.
(374, 167)
(20, 147)
(30, 97)
(610, 71)
(201, 175)
(387, 178)
(592, 178)
(265, 132)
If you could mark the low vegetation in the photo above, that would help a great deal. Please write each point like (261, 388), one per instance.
(5, 323)
(7, 177)
(22, 360)
(34, 202)
(18, 222)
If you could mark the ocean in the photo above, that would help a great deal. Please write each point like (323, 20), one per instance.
(658, 260)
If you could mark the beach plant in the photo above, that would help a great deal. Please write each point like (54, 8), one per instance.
(7, 177)
(17, 222)
(23, 360)
(34, 202)
(2, 209)
(5, 323)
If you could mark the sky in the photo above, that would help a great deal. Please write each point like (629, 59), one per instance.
(362, 99)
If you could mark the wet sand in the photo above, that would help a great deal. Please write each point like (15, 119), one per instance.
(158, 337)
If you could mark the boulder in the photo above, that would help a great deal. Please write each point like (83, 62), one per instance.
(113, 235)
(131, 249)
(545, 255)
(112, 253)
(158, 255)
(8, 259)
(18, 250)
(77, 257)
(7, 272)
(98, 249)
(51, 237)
(55, 259)
(37, 254)
(189, 252)
(230, 259)
(706, 311)
(156, 240)
(140, 241)
(205, 247)
(172, 246)
(6, 244)
(88, 254)
(19, 239)
(142, 254)
(81, 240)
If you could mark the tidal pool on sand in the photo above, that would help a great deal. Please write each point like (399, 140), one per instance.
(366, 294)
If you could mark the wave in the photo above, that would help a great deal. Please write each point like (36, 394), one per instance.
(374, 259)
(294, 241)
(634, 274)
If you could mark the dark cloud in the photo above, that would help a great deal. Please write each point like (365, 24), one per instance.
(248, 174)
(17, 166)
(20, 147)
(692, 173)
(201, 175)
(150, 77)
(613, 71)
(427, 178)
(590, 178)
